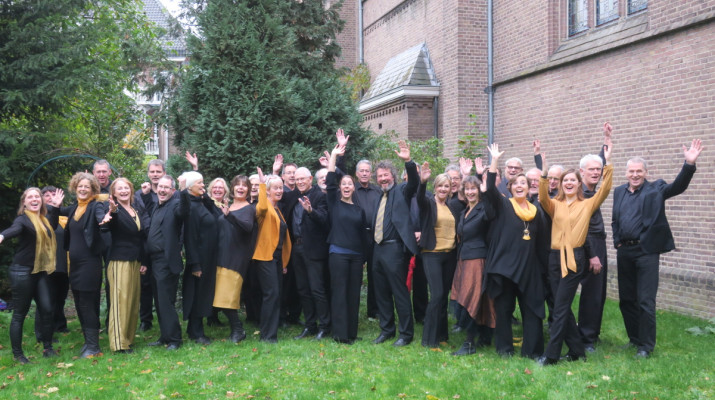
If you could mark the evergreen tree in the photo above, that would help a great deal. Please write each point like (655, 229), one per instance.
(262, 81)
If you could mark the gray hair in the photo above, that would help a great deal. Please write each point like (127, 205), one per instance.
(101, 162)
(521, 164)
(303, 170)
(252, 177)
(369, 164)
(453, 167)
(638, 160)
(271, 178)
(590, 157)
(170, 179)
(385, 164)
(156, 162)
(559, 166)
(322, 171)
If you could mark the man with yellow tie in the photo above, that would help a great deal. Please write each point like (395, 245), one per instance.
(394, 241)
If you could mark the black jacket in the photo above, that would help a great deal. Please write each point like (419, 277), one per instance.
(472, 231)
(95, 212)
(398, 199)
(314, 226)
(428, 217)
(169, 218)
(127, 239)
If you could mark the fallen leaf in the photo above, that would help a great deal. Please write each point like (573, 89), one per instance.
(569, 373)
(230, 394)
(41, 394)
(191, 382)
(145, 371)
(53, 389)
(591, 386)
(430, 397)
(109, 368)
(456, 396)
(606, 378)
(527, 371)
(177, 394)
(331, 392)
(437, 349)
(179, 363)
(402, 395)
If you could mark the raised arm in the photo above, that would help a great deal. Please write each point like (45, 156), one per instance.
(546, 203)
(682, 181)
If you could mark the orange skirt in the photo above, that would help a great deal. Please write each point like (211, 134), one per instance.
(467, 291)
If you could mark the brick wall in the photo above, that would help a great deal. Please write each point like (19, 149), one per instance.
(348, 38)
(658, 94)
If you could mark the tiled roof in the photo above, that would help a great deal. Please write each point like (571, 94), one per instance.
(412, 67)
(174, 45)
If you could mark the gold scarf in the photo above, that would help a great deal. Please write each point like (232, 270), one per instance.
(524, 215)
(82, 207)
(45, 243)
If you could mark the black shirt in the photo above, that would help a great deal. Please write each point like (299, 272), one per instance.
(596, 228)
(630, 219)
(388, 229)
(348, 223)
(367, 198)
(155, 237)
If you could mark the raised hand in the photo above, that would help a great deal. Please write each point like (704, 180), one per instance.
(277, 164)
(425, 172)
(342, 139)
(305, 202)
(537, 146)
(193, 160)
(339, 150)
(107, 218)
(545, 164)
(479, 166)
(146, 187)
(608, 150)
(58, 197)
(323, 160)
(465, 166)
(607, 129)
(112, 205)
(261, 177)
(494, 150)
(691, 154)
(404, 152)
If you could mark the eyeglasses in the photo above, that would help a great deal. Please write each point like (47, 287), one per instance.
(518, 168)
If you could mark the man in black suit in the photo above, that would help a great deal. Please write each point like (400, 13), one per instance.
(164, 248)
(306, 211)
(367, 196)
(640, 233)
(394, 237)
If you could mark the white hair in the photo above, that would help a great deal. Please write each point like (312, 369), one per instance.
(303, 170)
(521, 164)
(637, 160)
(191, 178)
(590, 157)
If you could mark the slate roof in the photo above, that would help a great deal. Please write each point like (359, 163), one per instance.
(174, 45)
(412, 67)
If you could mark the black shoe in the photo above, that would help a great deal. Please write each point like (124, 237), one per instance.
(466, 349)
(544, 361)
(343, 341)
(573, 357)
(383, 338)
(145, 326)
(49, 353)
(173, 346)
(642, 354)
(91, 340)
(505, 354)
(269, 341)
(431, 345)
(213, 321)
(628, 345)
(306, 332)
(62, 330)
(156, 343)
(402, 342)
(202, 340)
(457, 329)
(237, 336)
(21, 359)
(321, 335)
(126, 351)
(590, 348)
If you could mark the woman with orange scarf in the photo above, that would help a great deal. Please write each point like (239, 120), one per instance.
(85, 247)
(34, 260)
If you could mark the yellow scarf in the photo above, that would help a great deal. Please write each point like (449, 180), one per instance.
(524, 215)
(82, 207)
(45, 243)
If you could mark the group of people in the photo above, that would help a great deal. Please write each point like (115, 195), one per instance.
(282, 246)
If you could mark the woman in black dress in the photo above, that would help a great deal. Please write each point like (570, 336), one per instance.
(200, 244)
(438, 242)
(474, 306)
(347, 238)
(513, 269)
(237, 240)
(85, 246)
(34, 260)
(126, 257)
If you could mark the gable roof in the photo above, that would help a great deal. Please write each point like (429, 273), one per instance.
(173, 44)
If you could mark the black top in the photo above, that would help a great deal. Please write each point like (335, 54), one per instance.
(90, 232)
(23, 229)
(314, 226)
(237, 239)
(428, 217)
(472, 231)
(367, 198)
(85, 269)
(510, 256)
(127, 238)
(629, 217)
(349, 227)
(164, 236)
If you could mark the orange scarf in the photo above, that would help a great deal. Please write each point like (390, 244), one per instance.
(82, 207)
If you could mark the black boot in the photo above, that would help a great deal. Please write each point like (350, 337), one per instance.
(237, 332)
(466, 349)
(91, 337)
(485, 336)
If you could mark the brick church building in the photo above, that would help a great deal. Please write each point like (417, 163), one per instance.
(560, 68)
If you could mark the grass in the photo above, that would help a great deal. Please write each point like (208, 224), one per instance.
(680, 368)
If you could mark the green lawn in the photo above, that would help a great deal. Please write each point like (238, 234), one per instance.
(682, 367)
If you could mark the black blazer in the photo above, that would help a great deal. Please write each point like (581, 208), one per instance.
(95, 212)
(656, 236)
(398, 199)
(170, 217)
(127, 239)
(314, 227)
(428, 217)
(472, 231)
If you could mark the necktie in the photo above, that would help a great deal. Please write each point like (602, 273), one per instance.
(380, 218)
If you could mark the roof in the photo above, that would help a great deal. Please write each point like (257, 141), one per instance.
(174, 44)
(412, 67)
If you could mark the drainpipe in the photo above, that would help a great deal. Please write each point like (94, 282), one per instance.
(490, 70)
(360, 45)
(435, 109)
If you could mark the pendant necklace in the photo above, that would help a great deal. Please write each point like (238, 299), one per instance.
(526, 231)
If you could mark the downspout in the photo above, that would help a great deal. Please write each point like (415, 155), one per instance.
(435, 108)
(360, 45)
(490, 70)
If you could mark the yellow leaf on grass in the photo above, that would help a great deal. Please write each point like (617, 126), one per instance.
(606, 378)
(53, 389)
(145, 371)
(527, 371)
(430, 397)
(179, 363)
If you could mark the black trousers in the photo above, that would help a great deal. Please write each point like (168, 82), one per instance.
(59, 287)
(27, 286)
(146, 298)
(504, 306)
(310, 282)
(166, 283)
(371, 301)
(563, 326)
(252, 295)
(593, 295)
(87, 305)
(439, 270)
(290, 305)
(391, 289)
(345, 281)
(637, 289)
(420, 296)
(270, 275)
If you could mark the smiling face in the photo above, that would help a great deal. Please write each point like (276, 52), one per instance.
(635, 173)
(164, 190)
(520, 187)
(513, 168)
(347, 188)
(155, 173)
(240, 191)
(442, 190)
(275, 191)
(570, 184)
(32, 201)
(255, 184)
(289, 175)
(218, 191)
(101, 171)
(456, 179)
(533, 176)
(122, 192)
(303, 180)
(198, 188)
(471, 193)
(47, 196)
(385, 178)
(84, 189)
(554, 177)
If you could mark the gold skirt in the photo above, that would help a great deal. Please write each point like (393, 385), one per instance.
(228, 289)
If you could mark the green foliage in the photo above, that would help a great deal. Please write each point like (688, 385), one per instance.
(472, 144)
(382, 147)
(358, 79)
(261, 81)
(701, 331)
